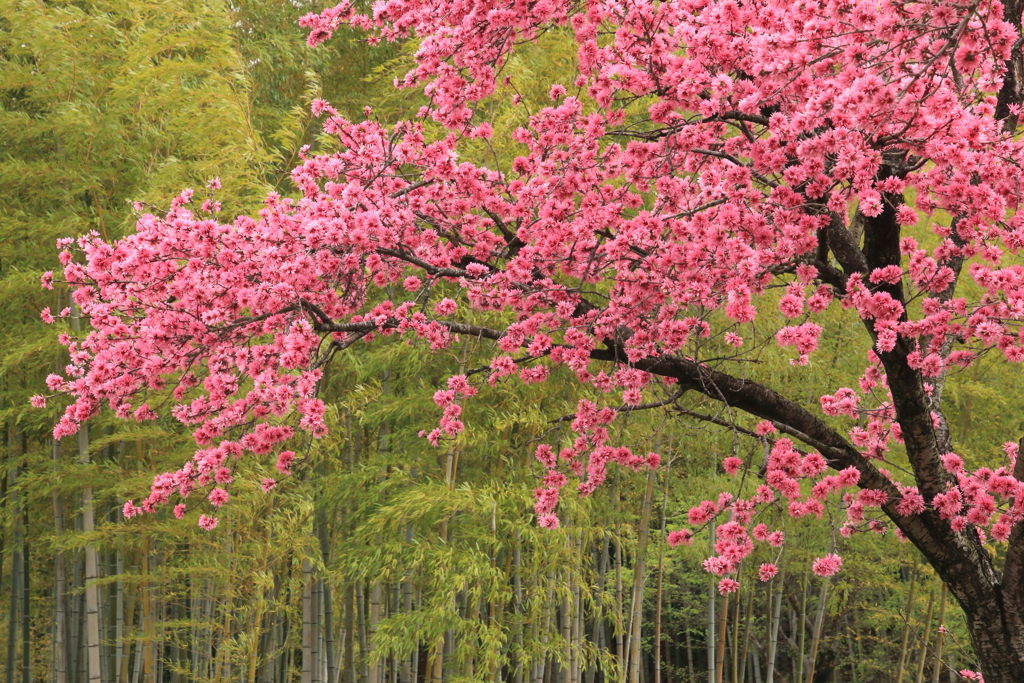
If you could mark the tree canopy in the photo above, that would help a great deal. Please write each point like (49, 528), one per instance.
(711, 184)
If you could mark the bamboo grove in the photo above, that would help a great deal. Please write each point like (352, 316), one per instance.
(382, 559)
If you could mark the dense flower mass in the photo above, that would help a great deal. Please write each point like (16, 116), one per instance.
(627, 247)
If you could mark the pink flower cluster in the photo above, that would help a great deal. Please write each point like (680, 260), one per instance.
(688, 226)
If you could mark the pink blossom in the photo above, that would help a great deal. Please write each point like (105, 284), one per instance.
(208, 523)
(681, 536)
(130, 510)
(284, 462)
(767, 571)
(627, 265)
(268, 485)
(546, 455)
(445, 307)
(828, 565)
(218, 497)
(548, 521)
(728, 585)
(731, 465)
(952, 462)
(701, 513)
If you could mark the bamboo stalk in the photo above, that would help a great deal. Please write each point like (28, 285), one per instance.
(736, 639)
(138, 662)
(746, 634)
(16, 583)
(328, 607)
(119, 630)
(712, 678)
(849, 643)
(332, 664)
(940, 636)
(661, 572)
(92, 607)
(174, 654)
(723, 622)
(376, 600)
(348, 662)
(577, 632)
(819, 619)
(60, 587)
(639, 567)
(364, 672)
(803, 631)
(597, 630)
(906, 629)
(285, 657)
(923, 656)
(307, 621)
(407, 663)
(773, 628)
(566, 614)
(148, 663)
(198, 616)
(517, 591)
(3, 503)
(438, 661)
(75, 621)
(26, 615)
(318, 653)
(618, 581)
(544, 671)
(690, 677)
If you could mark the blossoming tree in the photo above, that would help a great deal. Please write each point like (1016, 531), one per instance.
(711, 166)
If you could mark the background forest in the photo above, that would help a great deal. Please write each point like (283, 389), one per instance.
(382, 559)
